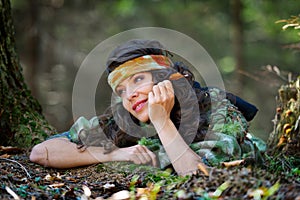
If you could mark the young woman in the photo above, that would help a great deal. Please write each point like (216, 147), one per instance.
(156, 99)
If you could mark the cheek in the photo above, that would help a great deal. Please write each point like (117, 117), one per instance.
(148, 88)
(125, 104)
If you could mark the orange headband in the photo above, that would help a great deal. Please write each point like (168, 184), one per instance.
(137, 65)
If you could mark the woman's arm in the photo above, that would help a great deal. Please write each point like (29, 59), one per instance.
(161, 102)
(184, 159)
(61, 153)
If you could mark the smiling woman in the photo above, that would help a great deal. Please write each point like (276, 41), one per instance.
(134, 93)
(156, 99)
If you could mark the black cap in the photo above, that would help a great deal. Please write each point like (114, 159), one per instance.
(133, 49)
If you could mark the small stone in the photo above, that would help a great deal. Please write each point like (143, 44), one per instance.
(121, 195)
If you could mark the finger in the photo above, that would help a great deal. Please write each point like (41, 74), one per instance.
(138, 158)
(146, 153)
(162, 86)
(154, 159)
(163, 90)
(151, 156)
(142, 155)
(169, 87)
(156, 92)
(166, 89)
(150, 97)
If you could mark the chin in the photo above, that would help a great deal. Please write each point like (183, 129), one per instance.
(143, 119)
(141, 116)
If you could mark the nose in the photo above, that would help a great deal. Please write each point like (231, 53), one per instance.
(131, 93)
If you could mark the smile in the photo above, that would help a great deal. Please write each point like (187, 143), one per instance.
(139, 105)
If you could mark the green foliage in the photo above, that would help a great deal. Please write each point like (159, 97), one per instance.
(165, 178)
(153, 182)
(281, 164)
(151, 144)
(229, 128)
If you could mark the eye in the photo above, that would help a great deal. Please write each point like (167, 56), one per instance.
(139, 78)
(120, 91)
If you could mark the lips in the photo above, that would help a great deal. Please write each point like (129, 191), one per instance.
(139, 105)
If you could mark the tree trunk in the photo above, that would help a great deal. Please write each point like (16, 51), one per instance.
(238, 40)
(285, 137)
(21, 121)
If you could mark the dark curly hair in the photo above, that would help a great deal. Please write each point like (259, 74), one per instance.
(189, 113)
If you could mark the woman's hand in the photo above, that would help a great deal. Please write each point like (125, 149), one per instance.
(137, 154)
(160, 103)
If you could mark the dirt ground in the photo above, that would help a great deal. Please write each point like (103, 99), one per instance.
(21, 179)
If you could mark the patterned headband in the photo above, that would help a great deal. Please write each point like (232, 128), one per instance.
(137, 65)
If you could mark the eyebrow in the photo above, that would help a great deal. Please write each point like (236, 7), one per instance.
(134, 76)
(129, 78)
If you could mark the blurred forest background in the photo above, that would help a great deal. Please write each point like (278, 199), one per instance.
(242, 36)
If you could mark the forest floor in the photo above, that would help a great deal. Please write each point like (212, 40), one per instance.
(22, 179)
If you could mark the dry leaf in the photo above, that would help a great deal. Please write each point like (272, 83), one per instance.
(57, 185)
(233, 163)
(5, 156)
(203, 168)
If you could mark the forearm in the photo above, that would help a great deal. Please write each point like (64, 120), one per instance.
(61, 153)
(183, 158)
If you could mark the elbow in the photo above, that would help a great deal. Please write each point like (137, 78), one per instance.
(39, 154)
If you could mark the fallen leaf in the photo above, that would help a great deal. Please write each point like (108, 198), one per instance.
(5, 156)
(233, 163)
(57, 185)
(10, 149)
(221, 189)
(203, 168)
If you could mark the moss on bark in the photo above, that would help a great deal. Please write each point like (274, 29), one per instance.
(21, 121)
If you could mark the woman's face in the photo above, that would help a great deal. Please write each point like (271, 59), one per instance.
(134, 93)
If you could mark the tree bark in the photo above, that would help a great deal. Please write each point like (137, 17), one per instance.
(21, 121)
(285, 137)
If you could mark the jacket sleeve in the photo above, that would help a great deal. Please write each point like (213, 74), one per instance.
(249, 110)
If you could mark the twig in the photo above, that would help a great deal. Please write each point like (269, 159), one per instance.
(18, 164)
(211, 174)
(12, 193)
